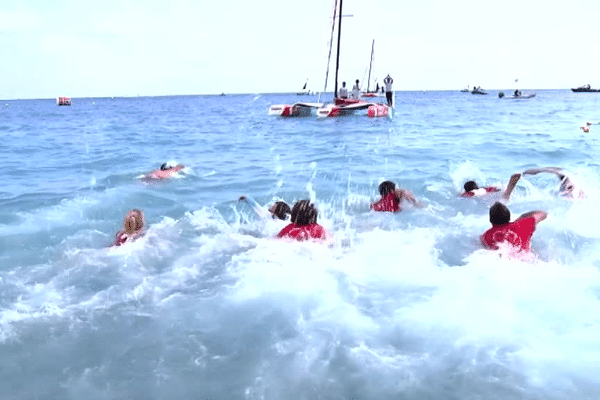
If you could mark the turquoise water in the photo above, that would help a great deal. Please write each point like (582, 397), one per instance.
(209, 305)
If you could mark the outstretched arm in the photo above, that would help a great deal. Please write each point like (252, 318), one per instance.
(260, 211)
(537, 215)
(551, 170)
(511, 186)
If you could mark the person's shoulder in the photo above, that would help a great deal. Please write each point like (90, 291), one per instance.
(528, 222)
(286, 230)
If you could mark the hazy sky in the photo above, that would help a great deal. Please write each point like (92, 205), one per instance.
(128, 48)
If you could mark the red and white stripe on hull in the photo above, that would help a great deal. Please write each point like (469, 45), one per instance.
(282, 110)
(378, 110)
(293, 110)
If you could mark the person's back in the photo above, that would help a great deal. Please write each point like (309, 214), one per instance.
(343, 92)
(391, 198)
(517, 233)
(304, 223)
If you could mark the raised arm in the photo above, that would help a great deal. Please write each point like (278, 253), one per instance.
(511, 186)
(537, 215)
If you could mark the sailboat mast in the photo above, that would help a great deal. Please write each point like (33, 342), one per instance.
(370, 65)
(337, 59)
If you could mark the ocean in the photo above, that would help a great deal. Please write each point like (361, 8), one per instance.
(208, 304)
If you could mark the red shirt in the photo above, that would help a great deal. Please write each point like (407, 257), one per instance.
(517, 233)
(303, 232)
(390, 203)
(489, 189)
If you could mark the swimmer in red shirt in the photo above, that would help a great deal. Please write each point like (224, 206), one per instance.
(392, 197)
(517, 233)
(472, 190)
(133, 225)
(166, 170)
(304, 223)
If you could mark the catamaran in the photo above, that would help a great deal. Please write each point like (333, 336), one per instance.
(340, 106)
(346, 106)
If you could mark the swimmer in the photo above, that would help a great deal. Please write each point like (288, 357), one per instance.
(304, 223)
(133, 225)
(567, 187)
(391, 198)
(517, 233)
(586, 127)
(279, 209)
(472, 190)
(165, 171)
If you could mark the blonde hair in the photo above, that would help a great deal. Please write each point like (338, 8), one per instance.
(134, 221)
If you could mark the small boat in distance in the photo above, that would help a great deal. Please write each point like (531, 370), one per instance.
(516, 96)
(466, 90)
(304, 90)
(477, 90)
(585, 89)
(63, 101)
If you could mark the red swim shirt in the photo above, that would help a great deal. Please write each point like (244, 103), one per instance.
(517, 233)
(303, 232)
(390, 203)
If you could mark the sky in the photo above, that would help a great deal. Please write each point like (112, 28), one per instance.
(154, 48)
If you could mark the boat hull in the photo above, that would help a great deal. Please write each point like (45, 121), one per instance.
(293, 110)
(63, 101)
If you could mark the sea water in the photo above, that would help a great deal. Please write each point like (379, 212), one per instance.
(209, 305)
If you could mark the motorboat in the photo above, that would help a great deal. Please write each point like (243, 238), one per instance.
(585, 89)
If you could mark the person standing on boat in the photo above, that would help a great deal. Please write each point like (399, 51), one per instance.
(343, 91)
(356, 91)
(388, 89)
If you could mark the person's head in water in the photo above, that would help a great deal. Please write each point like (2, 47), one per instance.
(499, 214)
(470, 185)
(164, 167)
(386, 188)
(304, 213)
(134, 221)
(280, 209)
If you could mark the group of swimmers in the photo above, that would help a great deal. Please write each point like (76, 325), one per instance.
(303, 215)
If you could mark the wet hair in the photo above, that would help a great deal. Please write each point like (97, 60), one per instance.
(134, 221)
(386, 187)
(304, 213)
(280, 210)
(470, 185)
(164, 167)
(499, 214)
